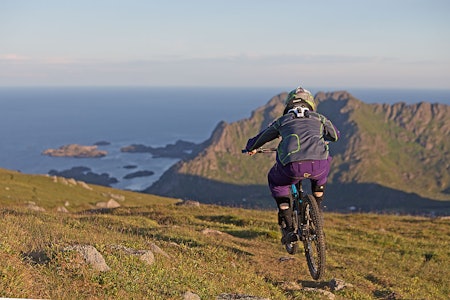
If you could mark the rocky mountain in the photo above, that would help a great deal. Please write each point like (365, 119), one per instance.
(389, 158)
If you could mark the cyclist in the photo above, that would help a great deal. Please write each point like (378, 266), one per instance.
(302, 152)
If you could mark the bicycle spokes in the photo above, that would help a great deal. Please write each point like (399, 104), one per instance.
(313, 239)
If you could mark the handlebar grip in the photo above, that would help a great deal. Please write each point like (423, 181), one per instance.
(244, 151)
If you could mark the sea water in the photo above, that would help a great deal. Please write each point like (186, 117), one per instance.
(33, 119)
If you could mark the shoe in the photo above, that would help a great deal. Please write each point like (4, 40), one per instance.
(289, 237)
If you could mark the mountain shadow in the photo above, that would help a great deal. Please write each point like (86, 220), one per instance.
(215, 192)
(372, 197)
(351, 197)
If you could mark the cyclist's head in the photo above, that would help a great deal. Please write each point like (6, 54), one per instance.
(299, 97)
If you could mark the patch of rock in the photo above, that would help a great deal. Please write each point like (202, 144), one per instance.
(208, 231)
(338, 284)
(225, 296)
(189, 203)
(94, 258)
(32, 205)
(144, 255)
(62, 209)
(111, 203)
(191, 296)
(91, 256)
(155, 249)
(328, 294)
(114, 196)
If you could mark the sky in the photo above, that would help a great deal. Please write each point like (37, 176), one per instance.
(249, 43)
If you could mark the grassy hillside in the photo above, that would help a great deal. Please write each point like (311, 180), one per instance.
(398, 146)
(207, 250)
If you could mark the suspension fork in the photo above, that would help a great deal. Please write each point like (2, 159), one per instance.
(301, 226)
(296, 202)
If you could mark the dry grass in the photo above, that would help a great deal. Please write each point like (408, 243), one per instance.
(381, 256)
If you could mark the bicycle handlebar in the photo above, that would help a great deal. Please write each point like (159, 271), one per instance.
(261, 150)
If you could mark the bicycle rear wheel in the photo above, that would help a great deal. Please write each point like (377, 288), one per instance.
(313, 237)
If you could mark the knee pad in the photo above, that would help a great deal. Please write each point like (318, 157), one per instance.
(284, 211)
(283, 206)
(318, 190)
(283, 203)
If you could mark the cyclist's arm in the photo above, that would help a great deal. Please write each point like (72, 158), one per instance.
(331, 133)
(265, 136)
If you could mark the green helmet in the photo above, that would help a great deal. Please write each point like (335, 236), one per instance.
(298, 96)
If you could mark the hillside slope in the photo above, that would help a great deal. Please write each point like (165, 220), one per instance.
(154, 248)
(390, 157)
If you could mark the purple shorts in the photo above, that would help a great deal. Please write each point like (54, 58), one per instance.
(282, 177)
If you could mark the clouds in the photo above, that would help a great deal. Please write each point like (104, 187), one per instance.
(244, 69)
(11, 57)
(233, 43)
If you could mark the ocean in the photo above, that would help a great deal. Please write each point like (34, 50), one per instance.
(33, 119)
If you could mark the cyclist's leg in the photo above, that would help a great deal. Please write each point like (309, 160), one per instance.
(318, 182)
(318, 191)
(285, 212)
(279, 184)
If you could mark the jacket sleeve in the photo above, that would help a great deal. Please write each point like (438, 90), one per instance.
(330, 132)
(265, 136)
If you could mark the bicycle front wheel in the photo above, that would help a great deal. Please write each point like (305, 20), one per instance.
(313, 237)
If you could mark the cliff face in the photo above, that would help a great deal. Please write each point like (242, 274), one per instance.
(388, 155)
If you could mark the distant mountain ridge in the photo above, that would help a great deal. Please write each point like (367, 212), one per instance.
(389, 158)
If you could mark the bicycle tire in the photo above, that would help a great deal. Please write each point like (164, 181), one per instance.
(314, 237)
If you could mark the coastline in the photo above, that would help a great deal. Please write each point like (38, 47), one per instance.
(34, 119)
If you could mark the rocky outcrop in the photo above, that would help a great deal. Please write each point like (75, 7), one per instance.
(75, 150)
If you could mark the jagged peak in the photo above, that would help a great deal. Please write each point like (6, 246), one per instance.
(336, 96)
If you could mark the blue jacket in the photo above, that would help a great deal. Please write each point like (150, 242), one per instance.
(302, 138)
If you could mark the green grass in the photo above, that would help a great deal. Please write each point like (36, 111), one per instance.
(397, 157)
(379, 255)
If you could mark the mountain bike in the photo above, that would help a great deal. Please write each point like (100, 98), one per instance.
(308, 225)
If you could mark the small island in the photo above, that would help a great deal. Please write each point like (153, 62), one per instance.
(75, 150)
(85, 174)
(181, 149)
(138, 174)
